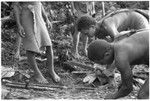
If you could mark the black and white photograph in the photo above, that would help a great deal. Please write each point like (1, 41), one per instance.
(74, 50)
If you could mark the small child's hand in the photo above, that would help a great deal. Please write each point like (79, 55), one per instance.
(21, 31)
(48, 24)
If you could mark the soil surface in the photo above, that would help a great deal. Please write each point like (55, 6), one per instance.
(71, 85)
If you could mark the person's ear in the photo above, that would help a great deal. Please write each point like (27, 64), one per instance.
(107, 53)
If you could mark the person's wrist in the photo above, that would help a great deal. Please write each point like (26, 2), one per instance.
(47, 20)
(19, 25)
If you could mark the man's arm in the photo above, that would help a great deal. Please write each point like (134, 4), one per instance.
(110, 69)
(123, 66)
(109, 29)
(85, 42)
(76, 38)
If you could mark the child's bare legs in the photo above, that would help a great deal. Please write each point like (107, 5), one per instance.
(85, 42)
(37, 74)
(18, 44)
(50, 63)
(76, 38)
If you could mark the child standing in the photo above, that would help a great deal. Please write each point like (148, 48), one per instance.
(35, 37)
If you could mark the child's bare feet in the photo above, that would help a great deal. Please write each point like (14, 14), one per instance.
(55, 77)
(40, 79)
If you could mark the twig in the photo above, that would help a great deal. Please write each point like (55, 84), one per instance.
(42, 87)
(74, 63)
(5, 18)
(29, 87)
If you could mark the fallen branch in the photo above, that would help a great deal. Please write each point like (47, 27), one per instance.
(30, 85)
(85, 88)
(42, 87)
(74, 63)
(5, 18)
(23, 86)
(53, 22)
(80, 72)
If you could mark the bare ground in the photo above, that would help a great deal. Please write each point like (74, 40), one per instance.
(70, 87)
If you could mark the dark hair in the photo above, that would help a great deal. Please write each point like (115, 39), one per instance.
(85, 22)
(97, 49)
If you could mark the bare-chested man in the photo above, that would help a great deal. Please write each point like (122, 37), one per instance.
(111, 25)
(133, 50)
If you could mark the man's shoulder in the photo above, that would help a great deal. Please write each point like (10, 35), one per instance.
(120, 45)
(122, 49)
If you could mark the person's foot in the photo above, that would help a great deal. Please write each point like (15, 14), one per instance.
(40, 79)
(55, 77)
(76, 55)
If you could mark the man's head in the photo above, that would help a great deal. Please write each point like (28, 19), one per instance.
(86, 25)
(101, 52)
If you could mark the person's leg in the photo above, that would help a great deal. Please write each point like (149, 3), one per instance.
(37, 74)
(18, 44)
(144, 91)
(50, 63)
(76, 38)
(85, 43)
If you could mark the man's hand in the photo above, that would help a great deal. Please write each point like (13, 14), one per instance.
(108, 73)
(85, 52)
(21, 31)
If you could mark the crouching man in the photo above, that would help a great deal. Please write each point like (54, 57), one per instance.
(133, 50)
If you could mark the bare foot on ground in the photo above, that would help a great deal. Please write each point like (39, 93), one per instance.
(55, 77)
(40, 79)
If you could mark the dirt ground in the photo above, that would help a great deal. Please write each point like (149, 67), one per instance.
(70, 87)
